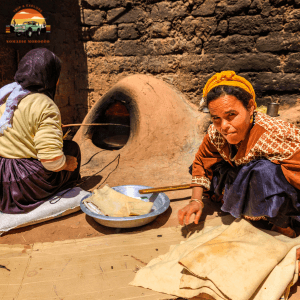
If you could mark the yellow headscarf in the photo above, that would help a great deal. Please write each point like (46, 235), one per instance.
(229, 78)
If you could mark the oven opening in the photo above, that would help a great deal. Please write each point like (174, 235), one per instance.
(115, 131)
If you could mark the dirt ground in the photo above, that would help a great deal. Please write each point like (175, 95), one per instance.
(78, 225)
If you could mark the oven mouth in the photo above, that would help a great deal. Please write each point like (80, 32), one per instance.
(116, 129)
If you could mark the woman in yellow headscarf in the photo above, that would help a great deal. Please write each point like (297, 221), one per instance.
(248, 160)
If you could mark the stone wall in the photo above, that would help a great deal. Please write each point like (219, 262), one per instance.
(185, 42)
(182, 42)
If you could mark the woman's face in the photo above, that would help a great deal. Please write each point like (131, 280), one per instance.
(231, 118)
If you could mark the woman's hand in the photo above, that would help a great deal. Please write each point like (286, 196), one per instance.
(193, 208)
(185, 213)
(71, 163)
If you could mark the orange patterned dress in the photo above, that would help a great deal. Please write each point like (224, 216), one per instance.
(269, 139)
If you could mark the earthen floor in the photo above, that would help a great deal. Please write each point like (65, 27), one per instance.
(78, 226)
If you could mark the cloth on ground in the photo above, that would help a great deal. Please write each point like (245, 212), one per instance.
(236, 261)
(53, 208)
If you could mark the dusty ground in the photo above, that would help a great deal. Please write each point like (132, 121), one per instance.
(78, 225)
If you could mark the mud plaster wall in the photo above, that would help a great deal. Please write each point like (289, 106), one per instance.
(182, 42)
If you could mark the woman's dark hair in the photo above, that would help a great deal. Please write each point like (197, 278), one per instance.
(222, 90)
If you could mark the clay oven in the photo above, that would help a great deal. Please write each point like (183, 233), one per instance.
(157, 135)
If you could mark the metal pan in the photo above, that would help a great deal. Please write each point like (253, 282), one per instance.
(161, 202)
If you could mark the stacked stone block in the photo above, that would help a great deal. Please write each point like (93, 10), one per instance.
(184, 42)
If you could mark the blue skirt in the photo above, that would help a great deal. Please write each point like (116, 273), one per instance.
(257, 190)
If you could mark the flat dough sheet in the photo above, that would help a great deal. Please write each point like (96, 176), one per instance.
(115, 204)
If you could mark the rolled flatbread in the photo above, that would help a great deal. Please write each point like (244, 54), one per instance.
(115, 204)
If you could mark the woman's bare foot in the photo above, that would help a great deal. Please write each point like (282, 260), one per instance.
(285, 231)
(216, 198)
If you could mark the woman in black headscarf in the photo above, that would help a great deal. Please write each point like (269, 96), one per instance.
(35, 162)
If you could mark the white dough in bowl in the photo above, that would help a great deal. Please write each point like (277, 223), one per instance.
(115, 204)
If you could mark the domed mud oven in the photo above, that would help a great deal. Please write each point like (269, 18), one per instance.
(153, 128)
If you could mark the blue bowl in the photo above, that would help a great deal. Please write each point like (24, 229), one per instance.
(161, 202)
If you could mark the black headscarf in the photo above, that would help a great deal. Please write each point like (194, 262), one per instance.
(38, 71)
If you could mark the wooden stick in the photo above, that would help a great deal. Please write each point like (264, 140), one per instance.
(94, 124)
(166, 189)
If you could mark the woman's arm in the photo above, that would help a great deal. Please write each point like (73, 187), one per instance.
(62, 162)
(205, 158)
(48, 137)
